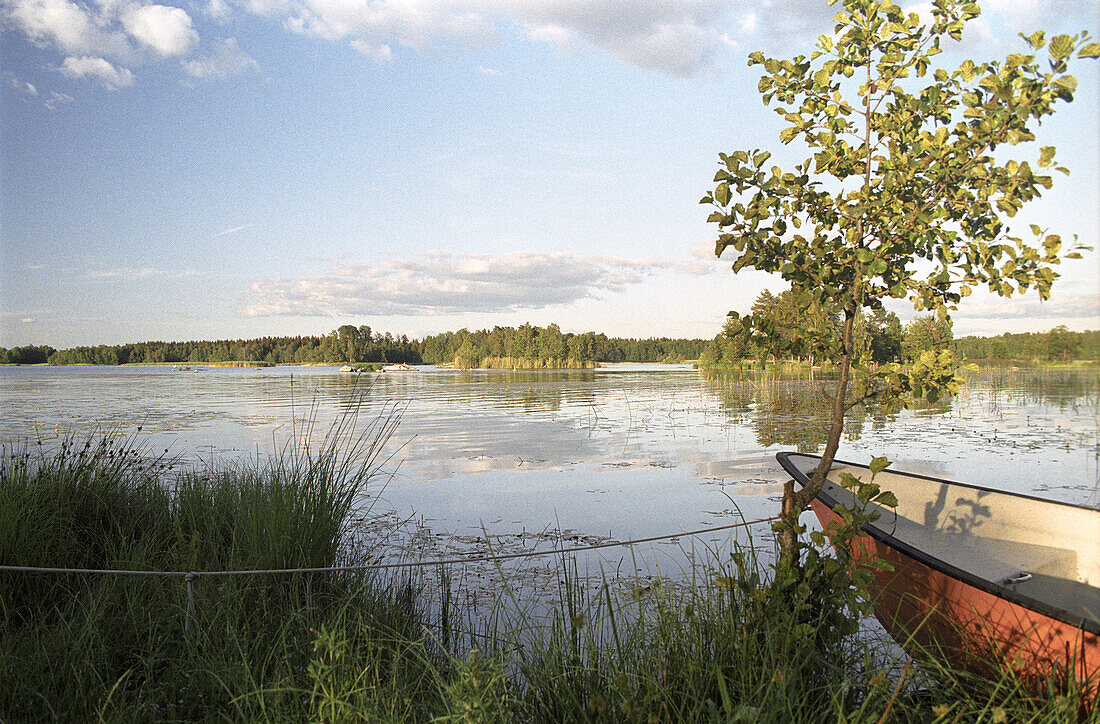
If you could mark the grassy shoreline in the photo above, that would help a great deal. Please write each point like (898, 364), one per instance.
(735, 642)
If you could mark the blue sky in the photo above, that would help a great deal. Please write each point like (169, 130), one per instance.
(236, 168)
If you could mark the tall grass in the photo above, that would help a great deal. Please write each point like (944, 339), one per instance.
(734, 641)
(536, 363)
(75, 646)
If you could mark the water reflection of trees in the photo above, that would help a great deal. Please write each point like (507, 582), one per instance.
(1045, 386)
(795, 410)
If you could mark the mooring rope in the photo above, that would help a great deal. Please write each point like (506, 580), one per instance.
(191, 575)
(191, 622)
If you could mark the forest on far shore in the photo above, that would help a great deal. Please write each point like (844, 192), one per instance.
(884, 338)
(350, 345)
(881, 338)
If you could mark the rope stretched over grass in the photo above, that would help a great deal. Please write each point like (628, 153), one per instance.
(191, 575)
(191, 624)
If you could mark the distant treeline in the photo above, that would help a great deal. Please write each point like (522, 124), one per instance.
(778, 320)
(29, 355)
(552, 347)
(346, 344)
(882, 338)
(526, 346)
(1056, 345)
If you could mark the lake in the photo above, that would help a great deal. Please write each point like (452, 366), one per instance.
(534, 458)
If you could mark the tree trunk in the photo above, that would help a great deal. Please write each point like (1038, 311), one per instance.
(795, 502)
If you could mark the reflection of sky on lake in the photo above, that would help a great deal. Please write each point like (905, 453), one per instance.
(625, 452)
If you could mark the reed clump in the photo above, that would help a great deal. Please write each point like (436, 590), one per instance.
(83, 646)
(536, 363)
(733, 640)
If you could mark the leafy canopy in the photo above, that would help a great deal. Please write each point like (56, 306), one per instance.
(902, 195)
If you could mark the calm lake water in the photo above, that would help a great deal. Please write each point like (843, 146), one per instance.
(616, 453)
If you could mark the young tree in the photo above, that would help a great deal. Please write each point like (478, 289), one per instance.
(887, 337)
(926, 333)
(905, 194)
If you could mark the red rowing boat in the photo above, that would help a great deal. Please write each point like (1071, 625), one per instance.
(993, 579)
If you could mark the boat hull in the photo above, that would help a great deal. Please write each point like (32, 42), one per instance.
(988, 578)
(973, 628)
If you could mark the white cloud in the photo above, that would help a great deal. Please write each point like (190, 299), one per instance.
(418, 25)
(269, 7)
(224, 60)
(100, 69)
(786, 21)
(679, 38)
(1069, 300)
(232, 230)
(443, 283)
(165, 29)
(57, 99)
(555, 35)
(378, 52)
(130, 273)
(66, 26)
(1022, 8)
(217, 10)
(977, 34)
(488, 71)
(21, 85)
(103, 38)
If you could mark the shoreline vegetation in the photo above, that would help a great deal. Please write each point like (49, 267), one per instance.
(529, 347)
(524, 363)
(878, 339)
(536, 347)
(730, 640)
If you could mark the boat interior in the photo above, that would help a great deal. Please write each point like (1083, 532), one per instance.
(1042, 549)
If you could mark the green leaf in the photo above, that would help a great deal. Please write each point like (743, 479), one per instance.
(887, 499)
(1092, 50)
(1066, 81)
(1046, 155)
(759, 159)
(722, 194)
(847, 480)
(1061, 46)
(1035, 40)
(878, 465)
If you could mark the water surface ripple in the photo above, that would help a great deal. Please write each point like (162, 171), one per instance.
(617, 453)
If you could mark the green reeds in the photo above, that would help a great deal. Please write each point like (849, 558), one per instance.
(731, 639)
(77, 647)
(536, 363)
